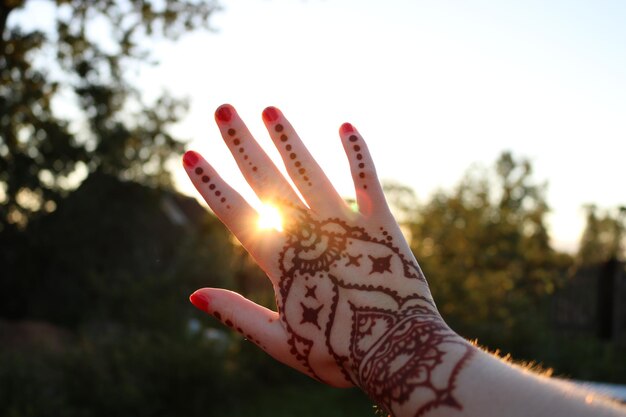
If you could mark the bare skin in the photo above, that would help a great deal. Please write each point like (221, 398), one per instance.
(353, 305)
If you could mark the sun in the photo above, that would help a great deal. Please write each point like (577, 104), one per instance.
(269, 218)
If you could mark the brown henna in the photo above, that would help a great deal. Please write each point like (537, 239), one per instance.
(412, 356)
(359, 156)
(380, 265)
(353, 260)
(352, 302)
(406, 352)
(241, 149)
(310, 291)
(393, 344)
(310, 315)
(292, 155)
(207, 180)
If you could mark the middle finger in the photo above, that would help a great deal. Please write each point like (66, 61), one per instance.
(257, 168)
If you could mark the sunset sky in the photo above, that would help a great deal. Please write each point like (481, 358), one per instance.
(433, 86)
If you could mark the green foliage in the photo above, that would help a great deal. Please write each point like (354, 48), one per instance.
(116, 270)
(579, 356)
(604, 237)
(147, 375)
(114, 131)
(110, 251)
(157, 377)
(34, 143)
(305, 398)
(487, 252)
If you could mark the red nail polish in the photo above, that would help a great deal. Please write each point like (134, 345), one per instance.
(271, 114)
(190, 159)
(200, 301)
(224, 113)
(346, 128)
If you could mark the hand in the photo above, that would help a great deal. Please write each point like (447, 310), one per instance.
(353, 305)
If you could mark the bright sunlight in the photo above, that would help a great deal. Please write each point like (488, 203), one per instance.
(269, 218)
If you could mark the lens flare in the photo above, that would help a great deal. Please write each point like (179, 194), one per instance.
(269, 218)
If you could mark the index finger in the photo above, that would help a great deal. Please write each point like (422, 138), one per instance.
(231, 208)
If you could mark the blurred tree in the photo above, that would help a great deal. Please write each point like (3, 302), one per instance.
(604, 235)
(486, 250)
(117, 252)
(402, 201)
(83, 62)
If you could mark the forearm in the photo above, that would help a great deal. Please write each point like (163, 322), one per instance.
(471, 382)
(490, 386)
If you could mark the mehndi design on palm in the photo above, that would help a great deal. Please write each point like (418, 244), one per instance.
(353, 305)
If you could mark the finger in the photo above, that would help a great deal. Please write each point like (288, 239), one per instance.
(257, 168)
(230, 207)
(369, 193)
(256, 323)
(306, 174)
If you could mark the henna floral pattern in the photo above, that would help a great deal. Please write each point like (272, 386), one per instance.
(410, 358)
(392, 352)
(353, 304)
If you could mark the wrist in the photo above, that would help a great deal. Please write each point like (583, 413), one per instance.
(414, 364)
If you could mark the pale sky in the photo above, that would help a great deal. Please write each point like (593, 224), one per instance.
(433, 86)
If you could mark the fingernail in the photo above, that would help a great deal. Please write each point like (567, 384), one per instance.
(271, 114)
(190, 159)
(346, 128)
(224, 113)
(200, 301)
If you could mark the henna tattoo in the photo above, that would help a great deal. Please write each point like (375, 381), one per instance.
(398, 349)
(380, 265)
(359, 156)
(386, 234)
(309, 315)
(238, 146)
(292, 155)
(354, 305)
(207, 180)
(353, 260)
(310, 291)
(418, 352)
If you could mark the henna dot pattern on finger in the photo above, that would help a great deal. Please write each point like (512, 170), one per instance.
(237, 145)
(356, 150)
(292, 155)
(210, 185)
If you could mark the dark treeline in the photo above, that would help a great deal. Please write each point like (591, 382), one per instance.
(94, 278)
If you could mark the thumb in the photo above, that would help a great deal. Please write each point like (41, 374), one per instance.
(256, 323)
